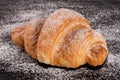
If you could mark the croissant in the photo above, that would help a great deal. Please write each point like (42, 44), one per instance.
(64, 39)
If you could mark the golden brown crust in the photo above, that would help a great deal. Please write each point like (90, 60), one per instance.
(53, 26)
(98, 51)
(17, 35)
(64, 39)
(66, 50)
(26, 36)
(31, 36)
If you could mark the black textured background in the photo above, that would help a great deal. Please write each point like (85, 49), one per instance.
(15, 64)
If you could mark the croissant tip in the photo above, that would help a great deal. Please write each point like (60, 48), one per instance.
(97, 55)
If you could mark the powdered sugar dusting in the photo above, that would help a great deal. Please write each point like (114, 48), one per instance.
(114, 60)
(104, 17)
(56, 18)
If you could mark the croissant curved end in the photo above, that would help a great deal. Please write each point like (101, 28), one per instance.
(97, 53)
(17, 35)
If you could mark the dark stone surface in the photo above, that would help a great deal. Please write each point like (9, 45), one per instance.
(15, 64)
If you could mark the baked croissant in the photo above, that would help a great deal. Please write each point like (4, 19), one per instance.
(64, 39)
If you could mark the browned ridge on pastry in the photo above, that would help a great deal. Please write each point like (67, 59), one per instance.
(64, 39)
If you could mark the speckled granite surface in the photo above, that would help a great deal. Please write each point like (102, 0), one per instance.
(15, 64)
